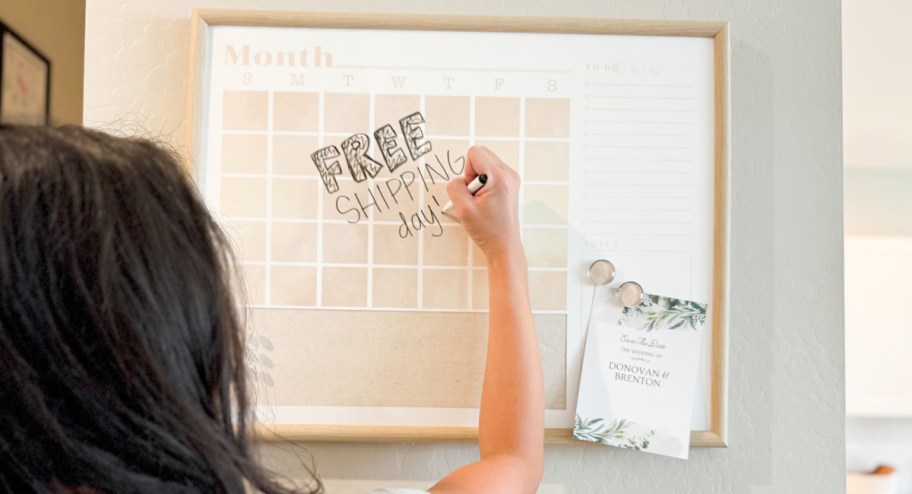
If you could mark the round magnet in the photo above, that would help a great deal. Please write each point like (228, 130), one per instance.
(630, 293)
(601, 272)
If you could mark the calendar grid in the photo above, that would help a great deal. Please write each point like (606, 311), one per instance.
(382, 243)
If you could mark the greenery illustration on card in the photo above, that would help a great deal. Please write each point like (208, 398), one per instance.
(619, 432)
(658, 312)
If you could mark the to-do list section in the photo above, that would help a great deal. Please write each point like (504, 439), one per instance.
(644, 167)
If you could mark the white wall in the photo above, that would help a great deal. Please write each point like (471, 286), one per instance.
(877, 75)
(786, 345)
(878, 200)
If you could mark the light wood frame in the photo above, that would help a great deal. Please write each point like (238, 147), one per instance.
(716, 435)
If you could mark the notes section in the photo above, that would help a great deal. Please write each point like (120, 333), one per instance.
(646, 173)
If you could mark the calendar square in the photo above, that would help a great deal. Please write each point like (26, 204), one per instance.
(496, 117)
(291, 155)
(547, 117)
(297, 112)
(294, 285)
(245, 110)
(244, 153)
(294, 198)
(548, 290)
(447, 115)
(545, 204)
(248, 239)
(244, 197)
(445, 288)
(390, 248)
(294, 242)
(547, 160)
(344, 287)
(546, 247)
(346, 113)
(395, 288)
(343, 243)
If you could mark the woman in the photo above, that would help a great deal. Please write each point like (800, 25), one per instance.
(121, 351)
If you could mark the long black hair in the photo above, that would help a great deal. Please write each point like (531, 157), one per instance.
(121, 351)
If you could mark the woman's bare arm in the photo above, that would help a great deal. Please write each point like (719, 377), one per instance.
(511, 423)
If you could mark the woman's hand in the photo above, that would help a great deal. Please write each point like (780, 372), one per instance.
(491, 216)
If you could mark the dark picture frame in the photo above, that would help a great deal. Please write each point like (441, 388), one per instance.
(25, 81)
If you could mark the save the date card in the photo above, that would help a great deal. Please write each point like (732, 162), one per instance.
(639, 375)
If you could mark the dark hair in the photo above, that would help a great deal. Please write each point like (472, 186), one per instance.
(121, 350)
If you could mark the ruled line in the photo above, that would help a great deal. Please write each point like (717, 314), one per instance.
(645, 122)
(637, 160)
(609, 96)
(618, 84)
(638, 222)
(649, 172)
(615, 146)
(649, 110)
(624, 134)
(461, 69)
(645, 210)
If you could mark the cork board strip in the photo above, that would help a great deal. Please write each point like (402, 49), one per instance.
(386, 359)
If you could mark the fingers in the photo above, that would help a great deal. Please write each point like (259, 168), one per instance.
(470, 169)
(460, 196)
(479, 161)
(482, 161)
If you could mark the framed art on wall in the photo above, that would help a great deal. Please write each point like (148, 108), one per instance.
(367, 308)
(25, 81)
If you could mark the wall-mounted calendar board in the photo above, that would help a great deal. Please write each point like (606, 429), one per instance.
(323, 143)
